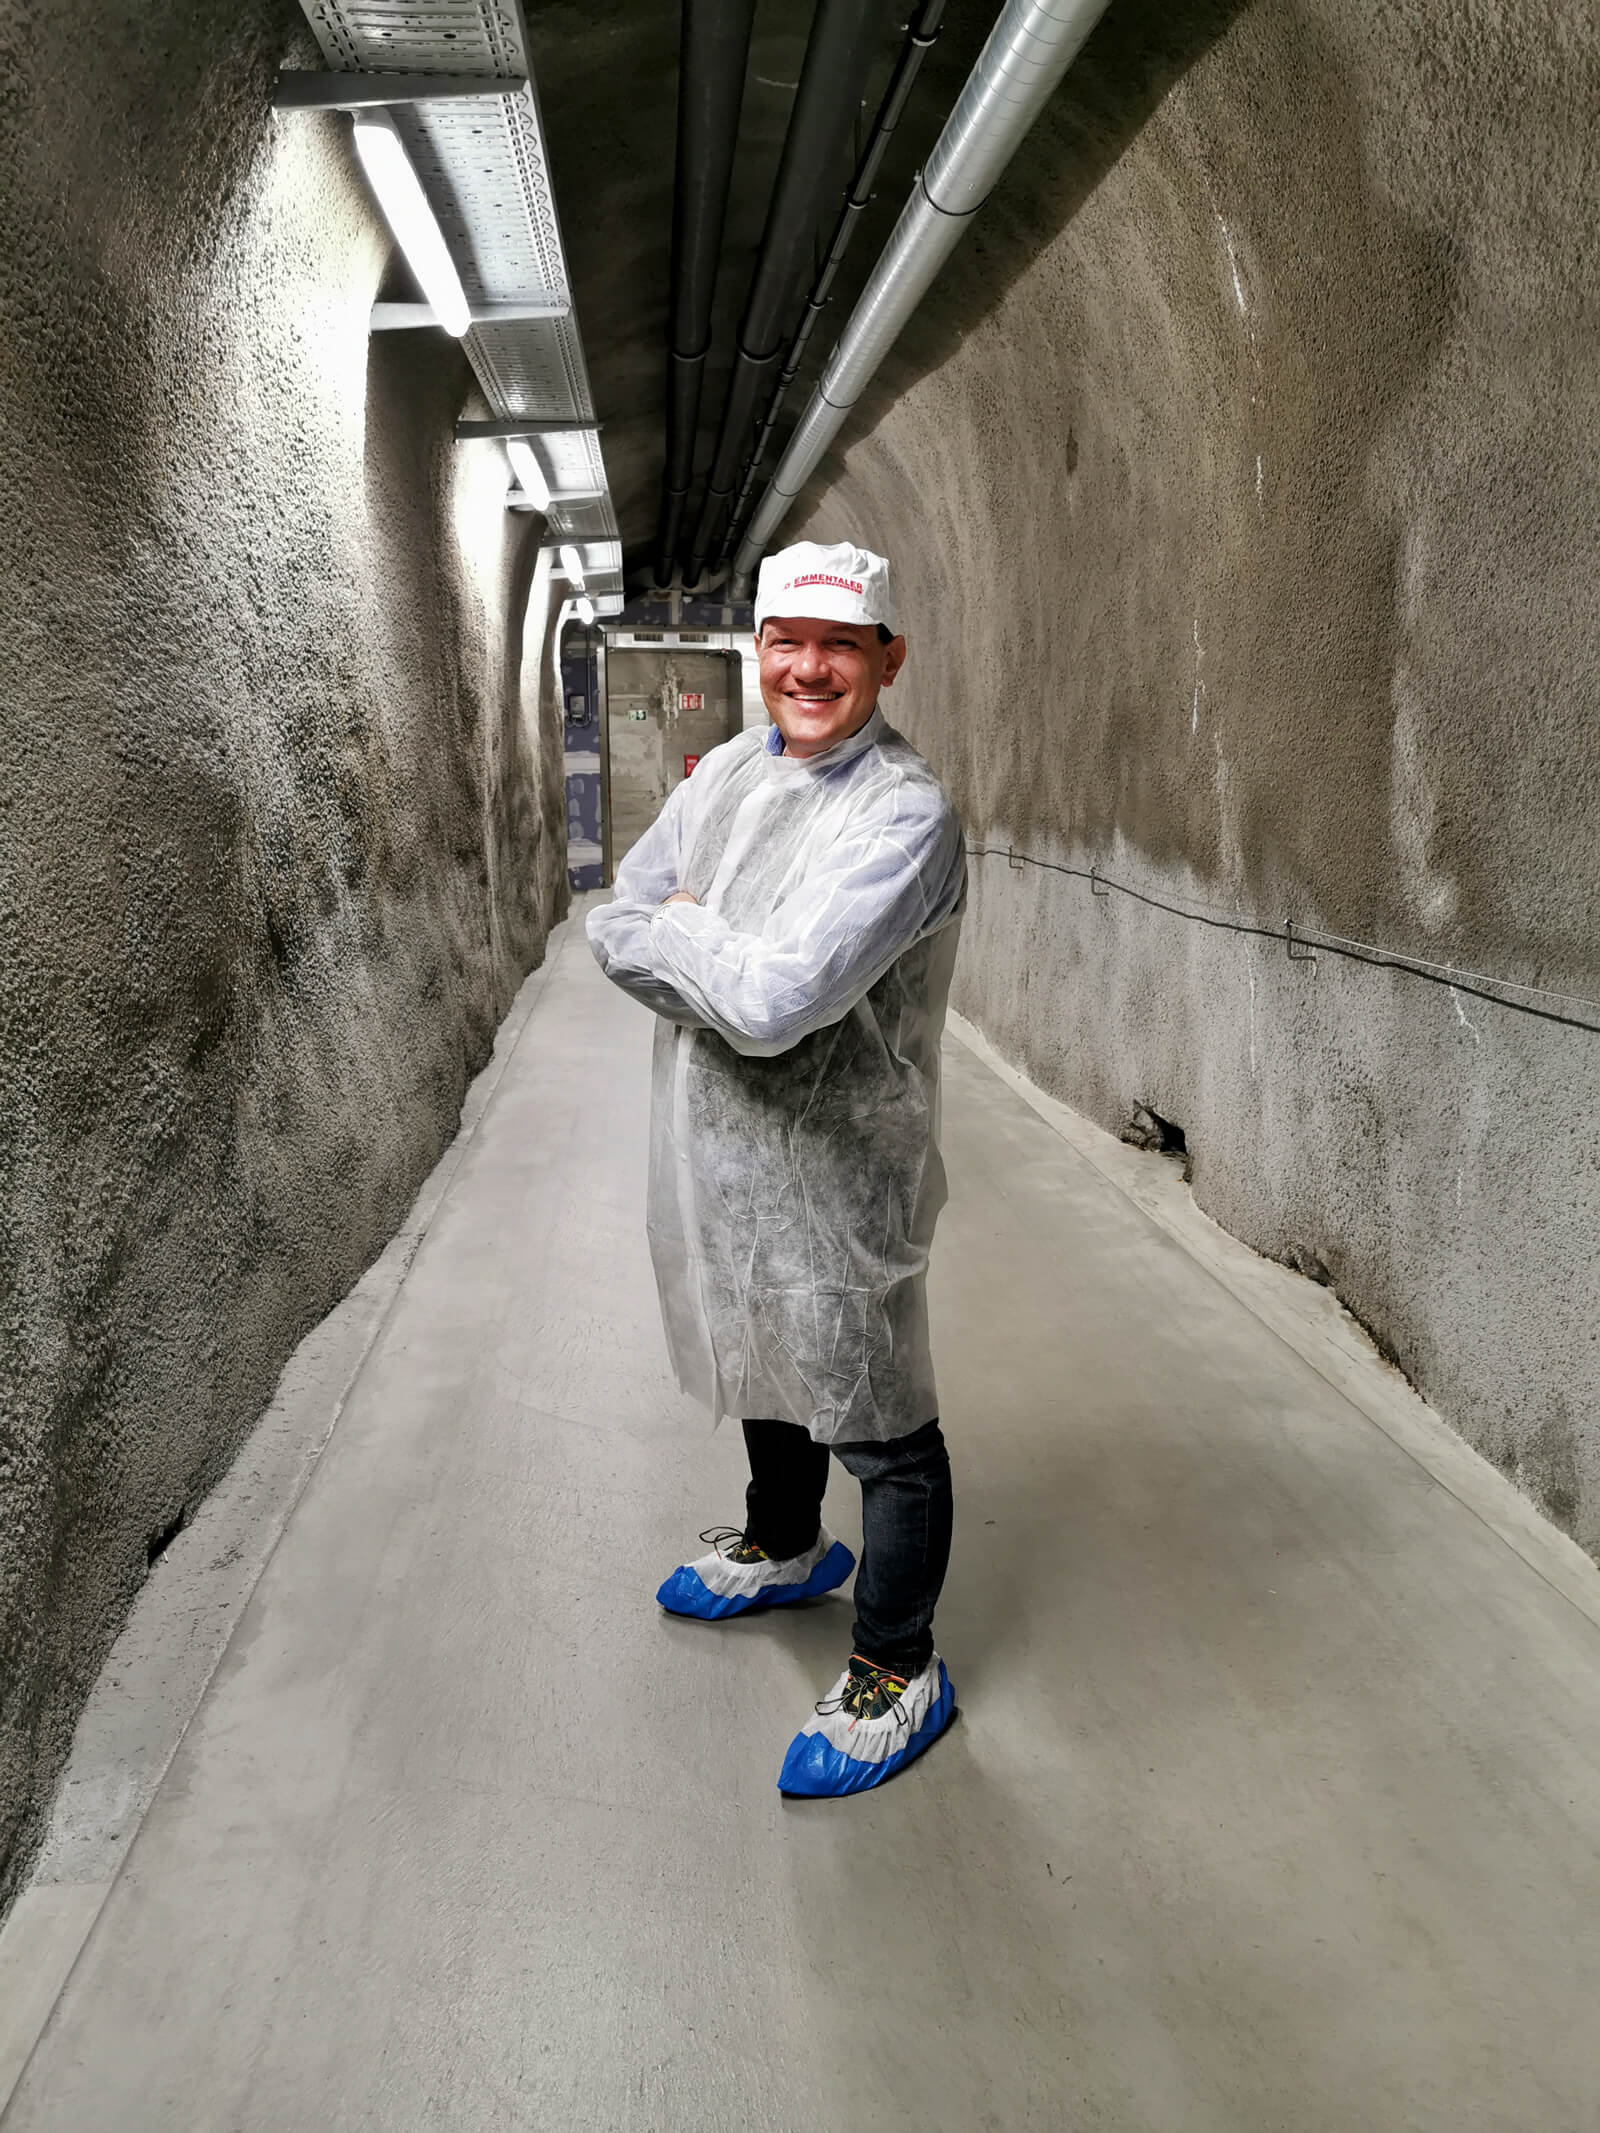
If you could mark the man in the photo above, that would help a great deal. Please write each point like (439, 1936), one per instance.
(792, 918)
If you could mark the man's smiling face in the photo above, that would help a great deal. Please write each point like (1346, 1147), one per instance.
(820, 679)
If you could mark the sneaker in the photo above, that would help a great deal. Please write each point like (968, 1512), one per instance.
(737, 1576)
(866, 1729)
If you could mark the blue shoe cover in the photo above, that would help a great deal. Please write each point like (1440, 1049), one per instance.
(830, 1757)
(712, 1589)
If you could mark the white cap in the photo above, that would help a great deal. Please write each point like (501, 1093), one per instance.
(833, 579)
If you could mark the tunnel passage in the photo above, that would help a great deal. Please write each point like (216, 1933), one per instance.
(1239, 474)
(664, 711)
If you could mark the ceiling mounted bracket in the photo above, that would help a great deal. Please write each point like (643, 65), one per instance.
(526, 426)
(391, 318)
(520, 500)
(299, 90)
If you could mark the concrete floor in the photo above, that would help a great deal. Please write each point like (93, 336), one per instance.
(1275, 1800)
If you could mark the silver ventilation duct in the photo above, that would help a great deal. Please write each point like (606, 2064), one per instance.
(1029, 49)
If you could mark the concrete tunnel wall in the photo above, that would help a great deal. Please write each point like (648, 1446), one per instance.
(280, 783)
(1240, 473)
(1242, 481)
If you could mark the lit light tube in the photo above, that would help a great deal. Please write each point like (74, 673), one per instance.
(406, 210)
(528, 472)
(572, 564)
(586, 612)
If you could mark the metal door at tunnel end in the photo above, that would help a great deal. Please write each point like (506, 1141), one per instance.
(666, 709)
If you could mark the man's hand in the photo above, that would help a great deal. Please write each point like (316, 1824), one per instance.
(679, 896)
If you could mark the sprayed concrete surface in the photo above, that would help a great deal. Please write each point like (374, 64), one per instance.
(1241, 470)
(1241, 474)
(279, 833)
(1273, 1800)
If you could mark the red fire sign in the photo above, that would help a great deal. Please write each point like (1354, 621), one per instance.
(689, 762)
(691, 700)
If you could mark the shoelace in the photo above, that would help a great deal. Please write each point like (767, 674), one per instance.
(715, 1536)
(861, 1689)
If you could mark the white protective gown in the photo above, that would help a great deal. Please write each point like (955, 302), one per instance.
(795, 1174)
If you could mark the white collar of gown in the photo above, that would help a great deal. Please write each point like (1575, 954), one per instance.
(853, 744)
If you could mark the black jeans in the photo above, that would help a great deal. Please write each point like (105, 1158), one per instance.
(906, 1512)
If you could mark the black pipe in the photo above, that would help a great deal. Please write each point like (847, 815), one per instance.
(921, 33)
(844, 40)
(713, 55)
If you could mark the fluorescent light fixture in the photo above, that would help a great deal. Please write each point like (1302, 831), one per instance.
(572, 564)
(406, 210)
(528, 472)
(585, 608)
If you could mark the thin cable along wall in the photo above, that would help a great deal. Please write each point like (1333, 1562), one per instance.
(1304, 947)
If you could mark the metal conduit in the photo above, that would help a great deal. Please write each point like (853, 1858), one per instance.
(1028, 51)
(844, 38)
(713, 57)
(921, 35)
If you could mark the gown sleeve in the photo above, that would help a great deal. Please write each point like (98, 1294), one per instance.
(619, 932)
(885, 884)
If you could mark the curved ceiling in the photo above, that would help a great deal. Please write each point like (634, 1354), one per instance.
(607, 76)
